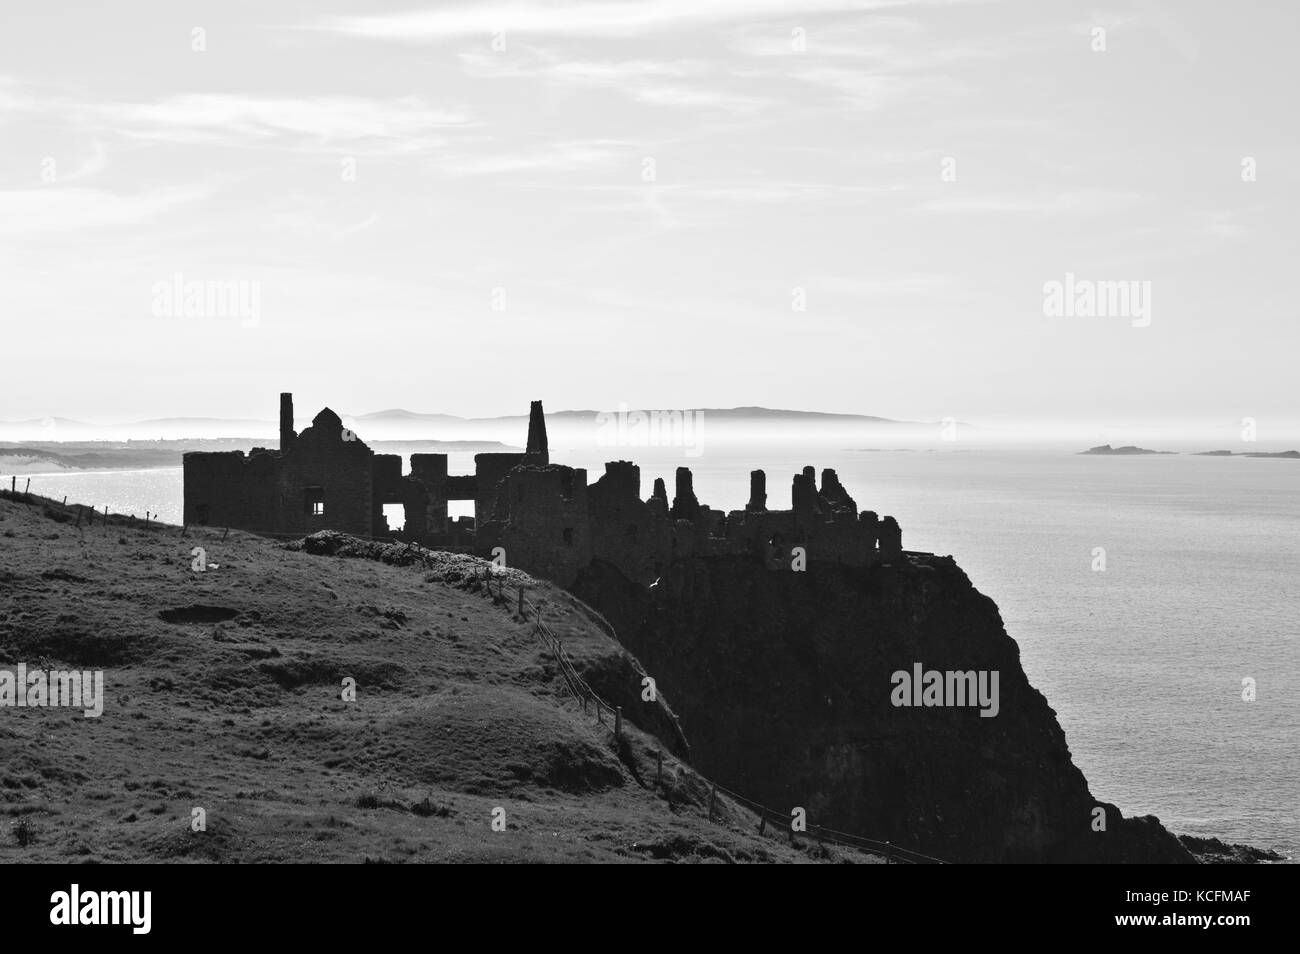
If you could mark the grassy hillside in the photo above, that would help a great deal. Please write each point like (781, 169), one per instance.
(222, 691)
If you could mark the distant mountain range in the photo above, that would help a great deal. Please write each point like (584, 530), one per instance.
(403, 425)
(721, 414)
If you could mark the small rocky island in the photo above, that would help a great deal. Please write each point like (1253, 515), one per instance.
(1126, 450)
(1129, 450)
(1276, 455)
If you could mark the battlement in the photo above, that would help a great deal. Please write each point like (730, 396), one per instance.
(545, 516)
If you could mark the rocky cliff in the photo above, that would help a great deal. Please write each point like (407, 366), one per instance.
(783, 684)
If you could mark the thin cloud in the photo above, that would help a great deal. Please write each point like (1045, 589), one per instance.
(556, 157)
(536, 63)
(910, 284)
(403, 121)
(94, 164)
(671, 83)
(578, 18)
(1077, 202)
(688, 96)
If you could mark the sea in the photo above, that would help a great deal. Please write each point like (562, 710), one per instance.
(1147, 594)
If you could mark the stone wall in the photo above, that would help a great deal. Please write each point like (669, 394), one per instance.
(489, 471)
(430, 472)
(631, 533)
(231, 489)
(542, 521)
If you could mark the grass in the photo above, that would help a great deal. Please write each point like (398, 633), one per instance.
(222, 691)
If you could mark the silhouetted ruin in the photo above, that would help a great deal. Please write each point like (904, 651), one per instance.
(549, 521)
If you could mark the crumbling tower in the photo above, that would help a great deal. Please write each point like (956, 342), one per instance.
(757, 492)
(537, 451)
(803, 494)
(658, 502)
(891, 541)
(835, 497)
(287, 433)
(685, 505)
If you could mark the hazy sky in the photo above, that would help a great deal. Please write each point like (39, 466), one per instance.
(462, 207)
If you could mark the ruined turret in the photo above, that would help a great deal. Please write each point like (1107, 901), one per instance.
(685, 505)
(834, 497)
(537, 451)
(869, 521)
(891, 541)
(803, 493)
(757, 492)
(658, 502)
(287, 433)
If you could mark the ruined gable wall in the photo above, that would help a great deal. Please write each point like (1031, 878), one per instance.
(320, 457)
(489, 471)
(229, 489)
(429, 471)
(536, 507)
(625, 530)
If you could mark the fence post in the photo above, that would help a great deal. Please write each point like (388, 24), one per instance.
(106, 515)
(65, 500)
(184, 527)
(659, 770)
(618, 722)
(27, 491)
(223, 534)
(762, 822)
(713, 799)
(13, 485)
(600, 712)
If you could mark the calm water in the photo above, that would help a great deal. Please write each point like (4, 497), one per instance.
(1143, 662)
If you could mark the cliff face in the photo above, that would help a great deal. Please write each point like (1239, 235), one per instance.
(782, 681)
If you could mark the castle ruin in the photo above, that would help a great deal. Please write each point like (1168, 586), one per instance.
(549, 520)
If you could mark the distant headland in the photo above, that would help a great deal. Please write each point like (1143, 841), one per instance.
(1129, 450)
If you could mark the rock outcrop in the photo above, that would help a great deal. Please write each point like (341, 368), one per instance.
(782, 681)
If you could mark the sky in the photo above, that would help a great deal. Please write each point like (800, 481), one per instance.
(838, 205)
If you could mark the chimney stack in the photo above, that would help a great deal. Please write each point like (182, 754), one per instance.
(537, 452)
(685, 504)
(757, 492)
(287, 433)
